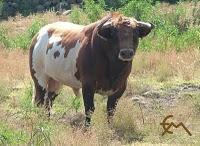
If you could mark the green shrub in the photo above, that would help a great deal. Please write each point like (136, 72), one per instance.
(23, 40)
(26, 7)
(115, 4)
(35, 27)
(4, 39)
(78, 16)
(94, 10)
(41, 135)
(91, 12)
(10, 136)
(75, 103)
(1, 7)
(140, 10)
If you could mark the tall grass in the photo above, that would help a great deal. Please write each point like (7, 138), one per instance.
(21, 40)
(176, 29)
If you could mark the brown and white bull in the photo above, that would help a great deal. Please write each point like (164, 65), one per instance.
(96, 57)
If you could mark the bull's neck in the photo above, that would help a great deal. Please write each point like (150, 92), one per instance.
(119, 69)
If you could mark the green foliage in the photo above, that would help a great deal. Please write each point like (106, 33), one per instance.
(94, 10)
(35, 27)
(22, 40)
(26, 7)
(4, 39)
(175, 29)
(75, 103)
(91, 12)
(1, 7)
(9, 136)
(78, 16)
(141, 10)
(115, 4)
(41, 136)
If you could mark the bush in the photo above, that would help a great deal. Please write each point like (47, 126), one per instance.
(94, 10)
(1, 7)
(4, 39)
(9, 136)
(78, 16)
(141, 10)
(115, 4)
(22, 40)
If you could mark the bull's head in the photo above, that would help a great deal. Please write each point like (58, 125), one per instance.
(121, 34)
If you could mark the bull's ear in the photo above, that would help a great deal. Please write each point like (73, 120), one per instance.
(144, 28)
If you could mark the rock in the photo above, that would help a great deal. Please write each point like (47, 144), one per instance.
(41, 2)
(66, 12)
(35, 2)
(9, 9)
(71, 1)
(54, 2)
(77, 120)
(79, 1)
(58, 13)
(40, 8)
(47, 4)
(139, 99)
(151, 94)
(14, 5)
(63, 6)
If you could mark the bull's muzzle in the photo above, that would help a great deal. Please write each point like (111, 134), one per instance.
(126, 54)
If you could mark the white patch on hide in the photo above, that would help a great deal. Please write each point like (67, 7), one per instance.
(62, 68)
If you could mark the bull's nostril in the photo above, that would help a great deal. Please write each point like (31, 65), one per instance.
(123, 54)
(126, 54)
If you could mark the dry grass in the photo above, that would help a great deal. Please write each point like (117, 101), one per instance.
(128, 122)
(14, 64)
(22, 23)
(169, 64)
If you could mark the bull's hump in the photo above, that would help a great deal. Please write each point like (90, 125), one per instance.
(59, 28)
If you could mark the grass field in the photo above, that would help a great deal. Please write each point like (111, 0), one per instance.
(161, 83)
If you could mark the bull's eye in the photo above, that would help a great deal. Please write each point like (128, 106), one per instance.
(113, 32)
(109, 33)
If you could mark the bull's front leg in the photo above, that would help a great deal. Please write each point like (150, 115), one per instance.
(112, 103)
(88, 98)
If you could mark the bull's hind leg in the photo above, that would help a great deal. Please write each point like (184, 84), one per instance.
(52, 91)
(38, 98)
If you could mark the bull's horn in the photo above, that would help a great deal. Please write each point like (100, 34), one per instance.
(146, 24)
(107, 24)
(144, 28)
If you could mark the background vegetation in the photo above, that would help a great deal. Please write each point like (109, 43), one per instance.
(164, 80)
(177, 27)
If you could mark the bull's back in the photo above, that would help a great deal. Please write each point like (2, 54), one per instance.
(54, 57)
